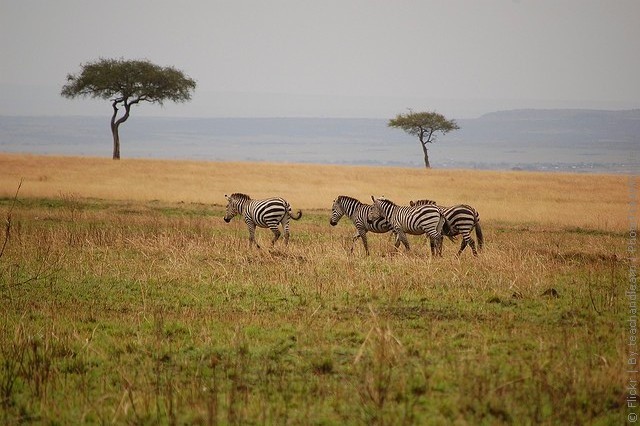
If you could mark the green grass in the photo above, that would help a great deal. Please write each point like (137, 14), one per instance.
(155, 312)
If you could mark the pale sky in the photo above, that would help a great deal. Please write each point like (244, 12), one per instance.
(326, 58)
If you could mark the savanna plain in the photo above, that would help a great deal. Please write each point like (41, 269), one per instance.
(126, 298)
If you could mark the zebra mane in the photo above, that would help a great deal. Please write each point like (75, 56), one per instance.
(347, 198)
(240, 196)
(422, 203)
(386, 200)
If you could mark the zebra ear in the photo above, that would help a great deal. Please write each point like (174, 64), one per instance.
(372, 198)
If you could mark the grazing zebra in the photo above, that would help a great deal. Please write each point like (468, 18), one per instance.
(413, 220)
(267, 213)
(462, 220)
(358, 213)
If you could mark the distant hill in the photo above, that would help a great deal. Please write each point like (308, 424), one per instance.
(563, 127)
(561, 114)
(566, 140)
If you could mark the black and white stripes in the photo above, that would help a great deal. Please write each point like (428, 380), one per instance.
(462, 219)
(420, 217)
(358, 213)
(267, 213)
(413, 220)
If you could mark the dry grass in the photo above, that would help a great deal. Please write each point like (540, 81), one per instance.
(123, 304)
(591, 201)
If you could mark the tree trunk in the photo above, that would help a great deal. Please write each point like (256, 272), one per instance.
(424, 143)
(116, 141)
(115, 124)
(426, 156)
(114, 132)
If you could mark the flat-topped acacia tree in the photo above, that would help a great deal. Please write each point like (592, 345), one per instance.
(424, 125)
(126, 83)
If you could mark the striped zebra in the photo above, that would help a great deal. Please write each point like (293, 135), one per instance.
(413, 220)
(358, 213)
(462, 220)
(267, 213)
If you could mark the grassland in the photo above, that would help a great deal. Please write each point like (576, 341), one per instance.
(127, 299)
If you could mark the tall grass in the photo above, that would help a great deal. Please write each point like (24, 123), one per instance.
(138, 311)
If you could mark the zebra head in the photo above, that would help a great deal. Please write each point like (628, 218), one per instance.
(377, 211)
(234, 205)
(336, 212)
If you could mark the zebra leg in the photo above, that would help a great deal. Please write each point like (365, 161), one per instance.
(396, 244)
(252, 234)
(396, 237)
(362, 233)
(436, 245)
(402, 238)
(353, 241)
(473, 246)
(285, 226)
(276, 233)
(463, 244)
(364, 242)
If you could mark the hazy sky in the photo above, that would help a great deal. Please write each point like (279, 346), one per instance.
(338, 58)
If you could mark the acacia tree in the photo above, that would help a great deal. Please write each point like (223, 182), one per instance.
(126, 83)
(424, 125)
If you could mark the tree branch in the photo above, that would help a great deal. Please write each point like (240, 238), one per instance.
(430, 135)
(421, 136)
(115, 112)
(127, 109)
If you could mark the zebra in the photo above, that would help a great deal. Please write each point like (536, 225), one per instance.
(462, 219)
(413, 220)
(267, 213)
(358, 213)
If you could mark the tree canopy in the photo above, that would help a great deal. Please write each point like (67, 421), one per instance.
(424, 125)
(126, 83)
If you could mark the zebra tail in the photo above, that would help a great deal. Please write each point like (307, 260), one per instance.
(479, 235)
(294, 217)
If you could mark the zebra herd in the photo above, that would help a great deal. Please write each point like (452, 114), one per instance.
(419, 217)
